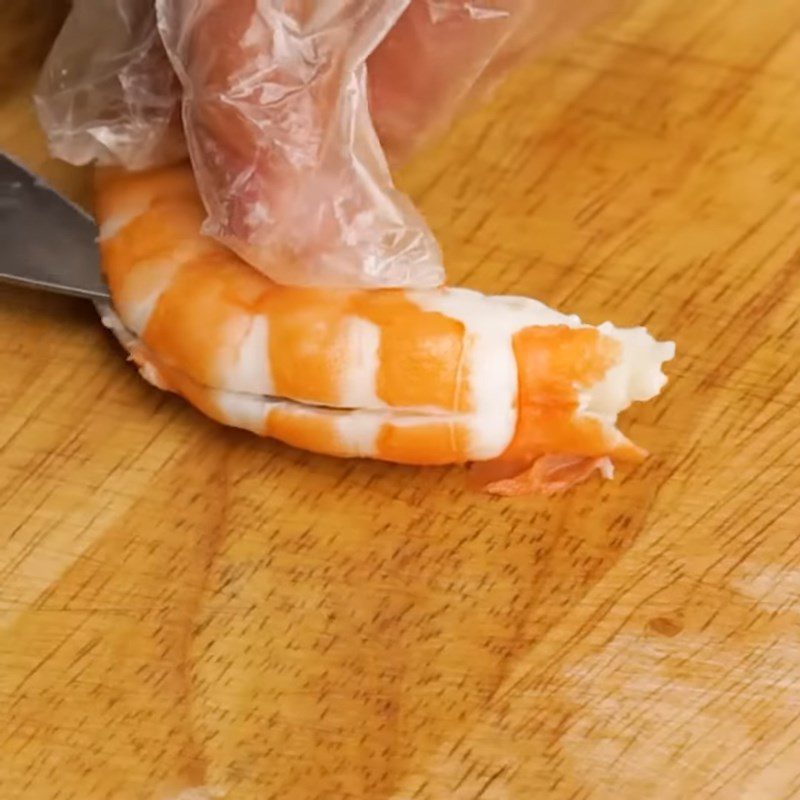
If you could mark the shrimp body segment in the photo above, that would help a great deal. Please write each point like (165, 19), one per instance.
(418, 377)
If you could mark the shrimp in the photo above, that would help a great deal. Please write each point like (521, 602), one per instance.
(528, 395)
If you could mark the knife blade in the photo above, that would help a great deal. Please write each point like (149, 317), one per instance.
(46, 242)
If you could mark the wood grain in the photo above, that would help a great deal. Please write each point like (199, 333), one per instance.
(189, 612)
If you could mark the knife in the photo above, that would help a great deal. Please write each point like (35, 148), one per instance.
(46, 242)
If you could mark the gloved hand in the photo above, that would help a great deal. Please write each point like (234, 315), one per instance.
(270, 97)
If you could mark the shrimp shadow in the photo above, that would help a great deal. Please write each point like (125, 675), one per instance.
(365, 613)
(36, 308)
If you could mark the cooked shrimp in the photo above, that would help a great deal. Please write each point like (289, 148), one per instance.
(415, 377)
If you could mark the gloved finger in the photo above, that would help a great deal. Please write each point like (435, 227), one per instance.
(278, 127)
(107, 92)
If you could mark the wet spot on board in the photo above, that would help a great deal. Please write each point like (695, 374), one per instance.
(664, 626)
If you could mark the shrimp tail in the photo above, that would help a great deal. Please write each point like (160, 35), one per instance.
(547, 475)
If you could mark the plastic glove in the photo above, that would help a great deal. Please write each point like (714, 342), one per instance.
(275, 113)
(285, 154)
(107, 92)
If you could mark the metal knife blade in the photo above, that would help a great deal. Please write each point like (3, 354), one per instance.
(46, 242)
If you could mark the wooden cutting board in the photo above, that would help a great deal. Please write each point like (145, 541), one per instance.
(187, 612)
